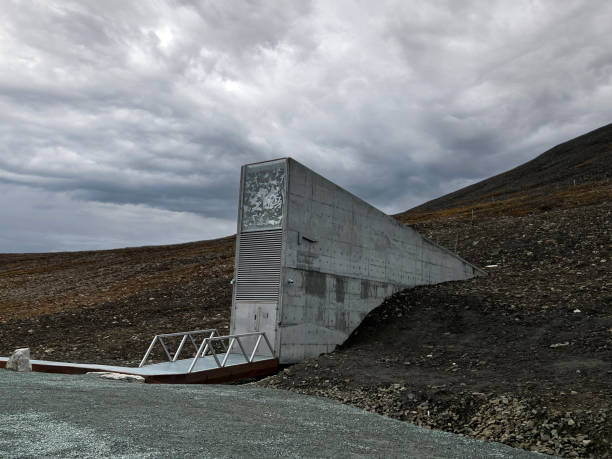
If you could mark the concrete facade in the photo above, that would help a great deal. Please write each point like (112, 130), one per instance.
(340, 258)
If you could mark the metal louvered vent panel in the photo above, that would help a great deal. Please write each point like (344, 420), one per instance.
(259, 266)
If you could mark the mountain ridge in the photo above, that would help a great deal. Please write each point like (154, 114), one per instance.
(576, 164)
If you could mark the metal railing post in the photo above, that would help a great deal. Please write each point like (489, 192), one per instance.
(255, 348)
(242, 349)
(212, 335)
(231, 343)
(214, 354)
(195, 346)
(163, 345)
(146, 356)
(180, 348)
(197, 356)
(268, 343)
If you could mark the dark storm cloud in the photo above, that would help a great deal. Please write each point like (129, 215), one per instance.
(130, 114)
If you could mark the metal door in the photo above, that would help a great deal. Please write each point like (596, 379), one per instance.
(255, 317)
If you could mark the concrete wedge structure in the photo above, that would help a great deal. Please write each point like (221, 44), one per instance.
(312, 259)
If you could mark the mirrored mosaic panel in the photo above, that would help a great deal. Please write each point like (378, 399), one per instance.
(263, 196)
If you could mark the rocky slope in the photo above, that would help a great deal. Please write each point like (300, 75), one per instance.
(105, 306)
(522, 356)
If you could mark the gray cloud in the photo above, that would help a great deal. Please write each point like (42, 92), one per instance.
(120, 109)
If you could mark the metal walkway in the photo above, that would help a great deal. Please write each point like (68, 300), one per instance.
(235, 357)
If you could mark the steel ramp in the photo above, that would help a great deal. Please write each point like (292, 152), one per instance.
(207, 372)
(242, 358)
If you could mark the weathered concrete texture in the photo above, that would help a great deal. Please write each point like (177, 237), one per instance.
(342, 257)
(19, 360)
(44, 415)
(321, 310)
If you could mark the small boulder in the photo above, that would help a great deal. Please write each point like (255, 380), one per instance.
(117, 376)
(20, 360)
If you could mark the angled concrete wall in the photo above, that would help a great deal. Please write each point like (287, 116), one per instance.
(340, 258)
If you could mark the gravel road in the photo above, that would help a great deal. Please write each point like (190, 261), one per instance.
(44, 415)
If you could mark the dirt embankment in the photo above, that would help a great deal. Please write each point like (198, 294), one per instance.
(523, 356)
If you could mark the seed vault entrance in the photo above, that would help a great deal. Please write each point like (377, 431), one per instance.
(312, 259)
(259, 249)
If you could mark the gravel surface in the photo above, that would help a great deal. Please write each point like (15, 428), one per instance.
(45, 415)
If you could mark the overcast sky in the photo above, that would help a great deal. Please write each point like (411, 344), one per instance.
(126, 123)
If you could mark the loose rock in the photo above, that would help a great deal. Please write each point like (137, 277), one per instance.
(118, 376)
(20, 360)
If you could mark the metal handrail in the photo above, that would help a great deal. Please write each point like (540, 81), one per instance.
(186, 335)
(233, 339)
